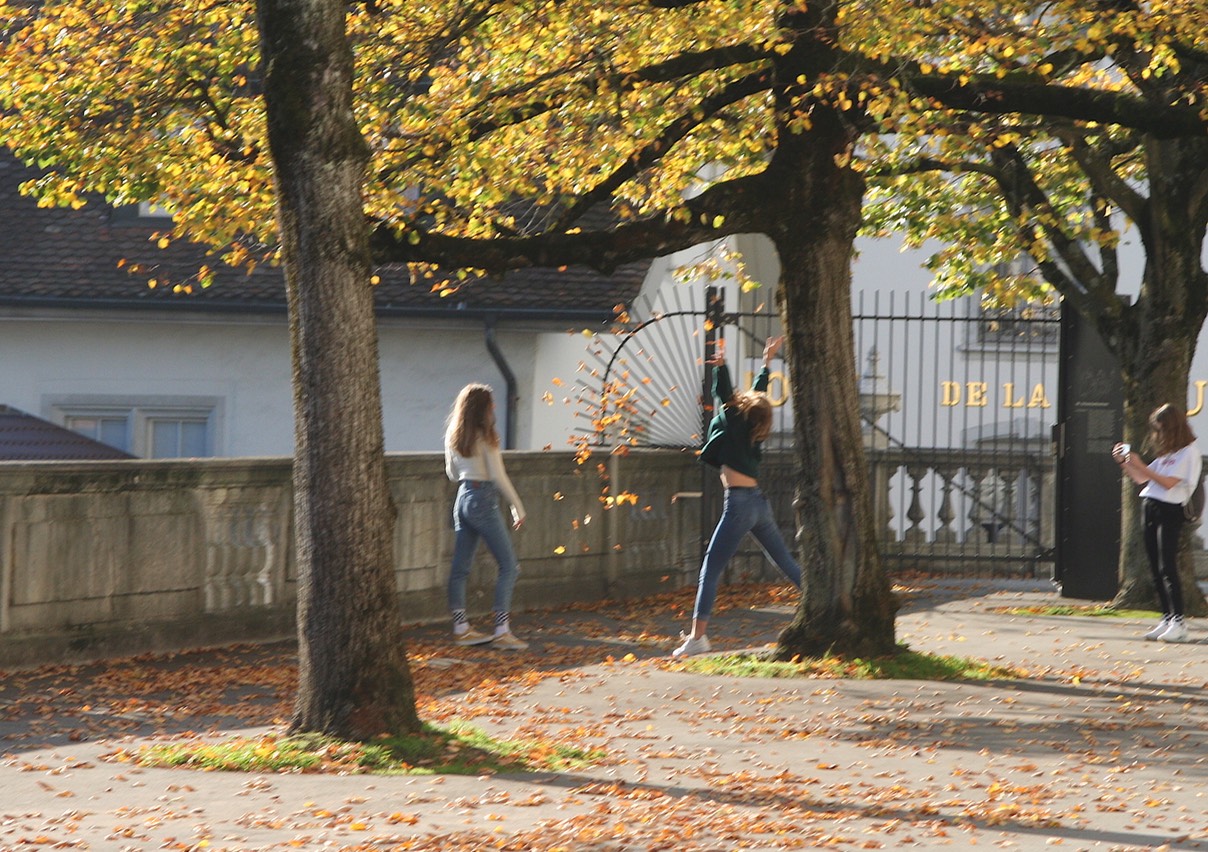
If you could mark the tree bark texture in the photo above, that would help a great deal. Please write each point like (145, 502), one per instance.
(1155, 339)
(846, 605)
(354, 681)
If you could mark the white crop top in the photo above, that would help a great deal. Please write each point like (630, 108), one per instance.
(486, 465)
(1182, 464)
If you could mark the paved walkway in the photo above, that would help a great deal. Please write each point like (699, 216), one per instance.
(1105, 746)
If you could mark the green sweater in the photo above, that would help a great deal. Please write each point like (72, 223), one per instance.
(729, 442)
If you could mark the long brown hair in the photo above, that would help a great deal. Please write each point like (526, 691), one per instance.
(756, 409)
(472, 420)
(1169, 430)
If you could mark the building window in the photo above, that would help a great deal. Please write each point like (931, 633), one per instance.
(154, 428)
(112, 428)
(178, 437)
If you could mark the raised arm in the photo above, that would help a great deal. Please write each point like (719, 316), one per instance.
(723, 388)
(770, 348)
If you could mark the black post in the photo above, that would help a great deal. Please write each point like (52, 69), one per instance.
(715, 305)
(1090, 412)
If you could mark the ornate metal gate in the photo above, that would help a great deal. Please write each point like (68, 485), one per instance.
(957, 405)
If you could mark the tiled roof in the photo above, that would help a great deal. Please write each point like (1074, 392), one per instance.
(71, 257)
(24, 437)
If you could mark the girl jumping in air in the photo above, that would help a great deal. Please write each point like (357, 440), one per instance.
(743, 422)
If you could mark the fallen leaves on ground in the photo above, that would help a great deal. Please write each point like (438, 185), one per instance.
(703, 764)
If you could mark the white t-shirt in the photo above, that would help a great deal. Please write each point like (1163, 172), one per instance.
(1184, 465)
(486, 465)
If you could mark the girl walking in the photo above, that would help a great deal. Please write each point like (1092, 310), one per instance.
(736, 434)
(1168, 482)
(474, 462)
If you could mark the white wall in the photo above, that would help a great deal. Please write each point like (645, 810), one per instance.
(243, 361)
(242, 364)
(425, 364)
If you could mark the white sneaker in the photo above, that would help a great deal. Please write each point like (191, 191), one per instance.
(692, 645)
(1159, 629)
(1176, 632)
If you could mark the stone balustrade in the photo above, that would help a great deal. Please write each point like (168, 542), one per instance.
(104, 558)
(964, 510)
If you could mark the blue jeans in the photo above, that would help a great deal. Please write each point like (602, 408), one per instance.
(745, 510)
(476, 516)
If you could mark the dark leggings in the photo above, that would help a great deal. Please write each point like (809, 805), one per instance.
(1163, 523)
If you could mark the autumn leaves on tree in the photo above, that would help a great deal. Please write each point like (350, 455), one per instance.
(491, 128)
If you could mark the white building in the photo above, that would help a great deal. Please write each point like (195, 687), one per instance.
(86, 344)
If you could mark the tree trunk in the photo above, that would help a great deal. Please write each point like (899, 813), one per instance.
(846, 603)
(353, 676)
(1156, 339)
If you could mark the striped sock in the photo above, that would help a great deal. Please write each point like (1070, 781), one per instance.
(501, 623)
(461, 624)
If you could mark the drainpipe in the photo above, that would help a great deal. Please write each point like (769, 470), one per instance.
(509, 378)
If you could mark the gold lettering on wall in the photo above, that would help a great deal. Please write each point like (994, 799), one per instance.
(1199, 397)
(976, 395)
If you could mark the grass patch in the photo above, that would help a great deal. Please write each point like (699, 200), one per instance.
(456, 750)
(1090, 610)
(904, 665)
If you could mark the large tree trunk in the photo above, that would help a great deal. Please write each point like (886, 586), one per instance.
(353, 676)
(1156, 339)
(846, 603)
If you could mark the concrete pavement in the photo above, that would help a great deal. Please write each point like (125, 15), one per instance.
(1103, 746)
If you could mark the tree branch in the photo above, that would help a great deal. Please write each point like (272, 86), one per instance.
(1027, 94)
(1022, 192)
(919, 165)
(732, 207)
(1097, 167)
(657, 148)
(684, 65)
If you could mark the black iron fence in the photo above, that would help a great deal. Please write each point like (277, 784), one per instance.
(957, 404)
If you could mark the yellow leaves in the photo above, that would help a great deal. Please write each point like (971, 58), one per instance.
(624, 498)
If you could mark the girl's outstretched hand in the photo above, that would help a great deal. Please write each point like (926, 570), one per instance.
(771, 347)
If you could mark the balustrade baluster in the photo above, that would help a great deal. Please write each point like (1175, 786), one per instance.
(976, 475)
(945, 533)
(915, 513)
(1010, 510)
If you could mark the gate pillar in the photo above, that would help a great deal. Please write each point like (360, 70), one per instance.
(1090, 414)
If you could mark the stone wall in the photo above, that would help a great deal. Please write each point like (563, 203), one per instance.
(105, 558)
